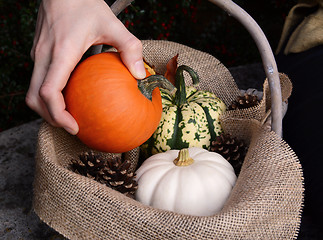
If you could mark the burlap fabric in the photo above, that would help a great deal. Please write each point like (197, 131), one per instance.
(303, 27)
(265, 203)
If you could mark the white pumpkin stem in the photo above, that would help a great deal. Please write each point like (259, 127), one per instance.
(183, 158)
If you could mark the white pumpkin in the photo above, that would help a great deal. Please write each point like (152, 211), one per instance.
(192, 181)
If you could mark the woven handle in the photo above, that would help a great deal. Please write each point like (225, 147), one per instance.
(267, 56)
(264, 48)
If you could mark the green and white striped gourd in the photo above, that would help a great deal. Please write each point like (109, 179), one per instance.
(190, 118)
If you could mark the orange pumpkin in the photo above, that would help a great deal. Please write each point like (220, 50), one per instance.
(112, 113)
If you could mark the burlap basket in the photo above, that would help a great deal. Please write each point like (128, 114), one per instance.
(265, 203)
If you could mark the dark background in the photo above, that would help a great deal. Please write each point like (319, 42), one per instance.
(196, 23)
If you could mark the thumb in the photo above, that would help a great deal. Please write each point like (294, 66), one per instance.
(130, 49)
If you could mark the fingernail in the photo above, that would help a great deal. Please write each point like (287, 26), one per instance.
(71, 131)
(140, 71)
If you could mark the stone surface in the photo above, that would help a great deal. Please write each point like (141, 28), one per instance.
(17, 218)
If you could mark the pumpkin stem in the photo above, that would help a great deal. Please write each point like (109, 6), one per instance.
(180, 95)
(183, 158)
(147, 85)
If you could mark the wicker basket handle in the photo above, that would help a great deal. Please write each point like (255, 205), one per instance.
(267, 57)
(264, 48)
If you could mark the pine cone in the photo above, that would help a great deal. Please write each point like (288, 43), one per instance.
(231, 148)
(89, 165)
(112, 172)
(117, 175)
(245, 101)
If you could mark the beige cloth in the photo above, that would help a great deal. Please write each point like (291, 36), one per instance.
(303, 28)
(266, 202)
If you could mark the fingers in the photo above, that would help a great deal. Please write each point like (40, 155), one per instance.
(51, 94)
(33, 99)
(130, 49)
(55, 54)
(48, 80)
(131, 55)
(38, 29)
(41, 55)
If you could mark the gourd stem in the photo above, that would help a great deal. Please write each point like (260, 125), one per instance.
(183, 158)
(180, 95)
(147, 85)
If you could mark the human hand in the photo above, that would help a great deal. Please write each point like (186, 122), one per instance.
(64, 31)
